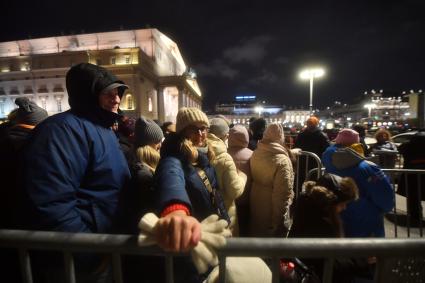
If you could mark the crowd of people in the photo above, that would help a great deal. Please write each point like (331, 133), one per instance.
(91, 169)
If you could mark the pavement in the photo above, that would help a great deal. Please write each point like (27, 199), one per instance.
(397, 226)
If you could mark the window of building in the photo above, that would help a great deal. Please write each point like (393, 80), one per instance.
(150, 104)
(59, 102)
(113, 60)
(43, 102)
(127, 59)
(98, 62)
(129, 101)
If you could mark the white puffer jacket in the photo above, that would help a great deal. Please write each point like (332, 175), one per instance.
(230, 181)
(271, 191)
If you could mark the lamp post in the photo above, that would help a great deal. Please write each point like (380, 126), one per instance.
(311, 74)
(369, 107)
(259, 109)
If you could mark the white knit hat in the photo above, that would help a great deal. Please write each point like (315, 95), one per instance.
(188, 116)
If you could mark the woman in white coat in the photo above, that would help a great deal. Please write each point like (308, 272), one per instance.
(272, 185)
(230, 180)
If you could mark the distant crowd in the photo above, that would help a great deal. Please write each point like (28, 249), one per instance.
(93, 170)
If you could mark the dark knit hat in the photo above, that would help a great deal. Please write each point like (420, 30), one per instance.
(147, 132)
(28, 112)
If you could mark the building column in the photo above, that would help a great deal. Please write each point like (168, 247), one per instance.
(180, 97)
(161, 106)
(421, 110)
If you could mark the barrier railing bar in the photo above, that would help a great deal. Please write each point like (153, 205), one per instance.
(328, 270)
(419, 188)
(69, 267)
(407, 205)
(307, 156)
(380, 269)
(117, 267)
(25, 264)
(270, 247)
(169, 271)
(222, 269)
(275, 269)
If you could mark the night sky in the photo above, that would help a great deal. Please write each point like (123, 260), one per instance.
(259, 47)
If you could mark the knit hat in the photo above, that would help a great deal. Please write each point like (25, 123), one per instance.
(274, 133)
(224, 118)
(219, 127)
(147, 132)
(188, 116)
(28, 112)
(312, 122)
(347, 137)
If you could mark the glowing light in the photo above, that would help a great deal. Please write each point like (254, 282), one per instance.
(312, 73)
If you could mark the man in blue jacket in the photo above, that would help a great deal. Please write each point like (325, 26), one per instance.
(364, 217)
(74, 170)
(73, 166)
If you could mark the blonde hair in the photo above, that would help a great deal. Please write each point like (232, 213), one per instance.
(380, 133)
(148, 155)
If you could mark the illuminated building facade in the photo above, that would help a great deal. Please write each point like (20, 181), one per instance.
(145, 59)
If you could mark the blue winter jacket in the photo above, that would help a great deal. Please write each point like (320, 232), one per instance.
(73, 166)
(364, 217)
(177, 181)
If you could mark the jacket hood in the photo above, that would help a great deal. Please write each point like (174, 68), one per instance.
(238, 137)
(345, 157)
(272, 147)
(217, 145)
(84, 82)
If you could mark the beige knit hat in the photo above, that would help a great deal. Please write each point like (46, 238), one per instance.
(188, 116)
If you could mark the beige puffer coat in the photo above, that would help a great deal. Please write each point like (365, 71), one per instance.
(271, 191)
(230, 181)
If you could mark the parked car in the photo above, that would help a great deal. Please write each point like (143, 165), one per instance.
(403, 137)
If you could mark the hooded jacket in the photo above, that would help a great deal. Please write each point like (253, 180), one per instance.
(271, 190)
(73, 166)
(230, 181)
(364, 217)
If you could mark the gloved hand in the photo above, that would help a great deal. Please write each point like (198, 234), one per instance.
(213, 236)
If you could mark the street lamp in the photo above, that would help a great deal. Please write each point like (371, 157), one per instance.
(369, 107)
(259, 109)
(311, 74)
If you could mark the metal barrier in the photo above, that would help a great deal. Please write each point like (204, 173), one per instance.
(386, 250)
(407, 182)
(306, 161)
(411, 179)
(387, 159)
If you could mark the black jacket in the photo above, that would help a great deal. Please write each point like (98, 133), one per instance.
(313, 140)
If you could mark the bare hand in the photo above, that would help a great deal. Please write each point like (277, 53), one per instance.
(178, 232)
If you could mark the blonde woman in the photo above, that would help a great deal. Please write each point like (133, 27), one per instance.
(138, 197)
(230, 181)
(186, 184)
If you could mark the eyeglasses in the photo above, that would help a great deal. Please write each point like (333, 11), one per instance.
(195, 129)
